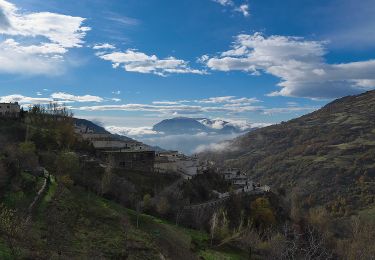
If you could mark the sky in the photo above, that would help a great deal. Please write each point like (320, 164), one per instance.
(130, 63)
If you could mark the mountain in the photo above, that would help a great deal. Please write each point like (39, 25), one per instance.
(326, 158)
(96, 128)
(185, 125)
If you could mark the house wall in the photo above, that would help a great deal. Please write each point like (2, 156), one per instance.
(133, 160)
(10, 110)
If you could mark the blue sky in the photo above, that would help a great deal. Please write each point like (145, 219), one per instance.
(132, 63)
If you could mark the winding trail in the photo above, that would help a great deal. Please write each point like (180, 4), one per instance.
(38, 195)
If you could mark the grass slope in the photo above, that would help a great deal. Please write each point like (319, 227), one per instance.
(71, 223)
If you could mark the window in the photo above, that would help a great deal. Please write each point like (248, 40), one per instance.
(122, 164)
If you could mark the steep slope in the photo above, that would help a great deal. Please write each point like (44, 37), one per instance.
(325, 158)
(96, 128)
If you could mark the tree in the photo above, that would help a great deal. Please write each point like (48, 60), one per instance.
(3, 177)
(163, 206)
(147, 203)
(67, 163)
(262, 212)
(219, 225)
(138, 209)
(108, 176)
(126, 226)
(361, 242)
(27, 155)
(213, 225)
(10, 226)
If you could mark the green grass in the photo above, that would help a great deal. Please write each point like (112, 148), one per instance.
(84, 225)
(5, 253)
(49, 194)
(218, 255)
(368, 214)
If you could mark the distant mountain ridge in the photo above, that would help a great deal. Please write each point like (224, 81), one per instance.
(186, 125)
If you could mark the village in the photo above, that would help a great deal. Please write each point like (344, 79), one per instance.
(129, 154)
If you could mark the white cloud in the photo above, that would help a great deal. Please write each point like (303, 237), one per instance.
(131, 131)
(224, 2)
(54, 33)
(59, 97)
(243, 8)
(105, 46)
(165, 102)
(232, 100)
(24, 100)
(134, 61)
(215, 147)
(66, 97)
(299, 63)
(216, 99)
(172, 109)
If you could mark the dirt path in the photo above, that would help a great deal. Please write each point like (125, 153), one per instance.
(37, 197)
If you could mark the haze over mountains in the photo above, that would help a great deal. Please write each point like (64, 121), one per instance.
(188, 135)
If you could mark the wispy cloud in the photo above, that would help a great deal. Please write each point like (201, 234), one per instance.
(104, 46)
(122, 19)
(135, 61)
(66, 97)
(226, 104)
(59, 97)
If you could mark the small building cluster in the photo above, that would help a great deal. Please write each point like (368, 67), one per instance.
(126, 154)
(174, 162)
(241, 183)
(133, 155)
(10, 110)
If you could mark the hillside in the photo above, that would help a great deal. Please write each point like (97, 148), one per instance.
(54, 204)
(58, 201)
(325, 158)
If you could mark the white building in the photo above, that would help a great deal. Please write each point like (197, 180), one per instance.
(10, 109)
(174, 162)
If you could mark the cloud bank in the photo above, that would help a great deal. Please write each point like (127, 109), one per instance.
(54, 33)
(299, 63)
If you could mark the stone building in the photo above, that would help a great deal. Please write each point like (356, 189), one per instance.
(174, 162)
(129, 159)
(109, 142)
(10, 109)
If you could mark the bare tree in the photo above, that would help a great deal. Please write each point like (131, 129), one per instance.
(108, 175)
